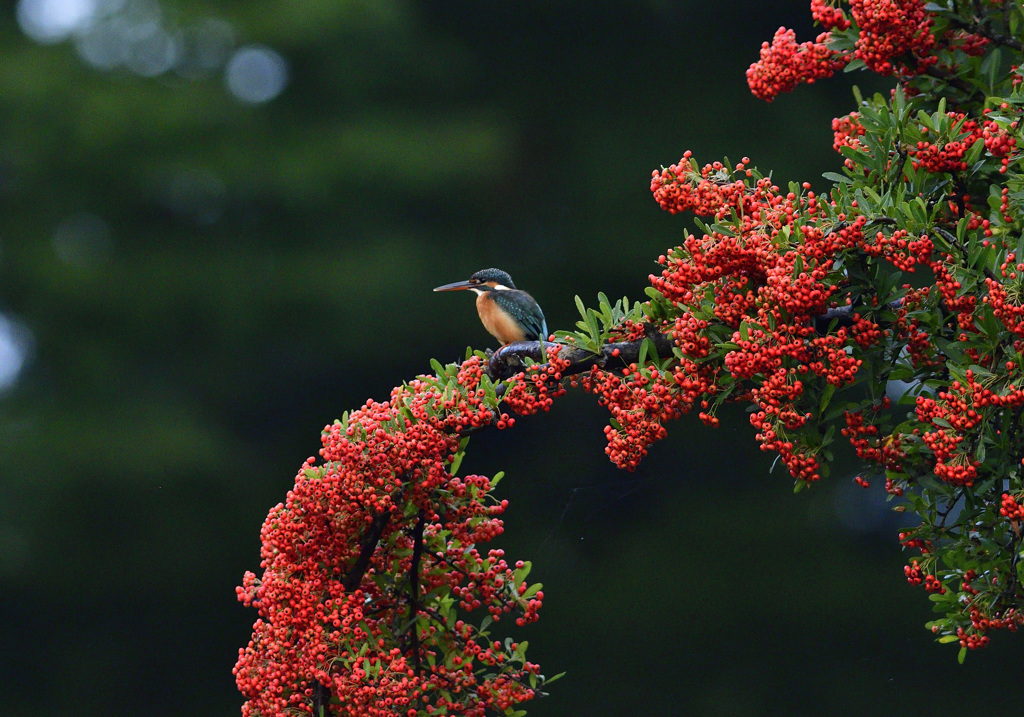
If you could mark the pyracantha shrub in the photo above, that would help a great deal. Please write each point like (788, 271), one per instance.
(377, 597)
(887, 311)
(893, 306)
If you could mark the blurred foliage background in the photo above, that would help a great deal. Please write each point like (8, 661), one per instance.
(221, 225)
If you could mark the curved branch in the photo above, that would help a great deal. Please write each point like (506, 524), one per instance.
(371, 537)
(509, 360)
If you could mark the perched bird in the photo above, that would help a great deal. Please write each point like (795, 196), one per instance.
(507, 313)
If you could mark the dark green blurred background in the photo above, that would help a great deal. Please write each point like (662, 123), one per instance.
(221, 223)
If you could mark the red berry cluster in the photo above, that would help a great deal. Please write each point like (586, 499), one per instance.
(920, 349)
(640, 402)
(707, 192)
(1005, 297)
(536, 388)
(629, 330)
(784, 64)
(846, 132)
(953, 415)
(916, 576)
(954, 298)
(895, 35)
(908, 542)
(1000, 139)
(946, 156)
(981, 623)
(360, 559)
(967, 42)
(1010, 508)
(829, 16)
(865, 439)
(775, 271)
(900, 250)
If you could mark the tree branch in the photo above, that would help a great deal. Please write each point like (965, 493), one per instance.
(321, 697)
(414, 587)
(371, 537)
(509, 360)
(952, 81)
(965, 254)
(976, 28)
(351, 582)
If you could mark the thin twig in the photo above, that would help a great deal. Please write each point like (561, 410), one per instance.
(414, 587)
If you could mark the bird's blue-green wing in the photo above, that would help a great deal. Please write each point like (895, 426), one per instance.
(525, 310)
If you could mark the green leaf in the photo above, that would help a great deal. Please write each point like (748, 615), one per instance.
(650, 352)
(854, 65)
(979, 371)
(595, 332)
(456, 462)
(973, 153)
(990, 67)
(962, 655)
(489, 391)
(519, 575)
(532, 590)
(438, 368)
(405, 411)
(856, 155)
(549, 680)
(900, 102)
(826, 396)
(840, 178)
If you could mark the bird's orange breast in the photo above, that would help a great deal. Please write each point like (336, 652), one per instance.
(498, 323)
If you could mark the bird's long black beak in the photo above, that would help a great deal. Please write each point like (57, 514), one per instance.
(457, 285)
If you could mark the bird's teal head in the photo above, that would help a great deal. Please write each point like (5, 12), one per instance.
(483, 280)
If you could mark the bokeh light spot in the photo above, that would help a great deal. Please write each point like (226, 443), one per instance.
(256, 74)
(15, 347)
(51, 21)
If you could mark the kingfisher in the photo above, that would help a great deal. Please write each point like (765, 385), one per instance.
(507, 313)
